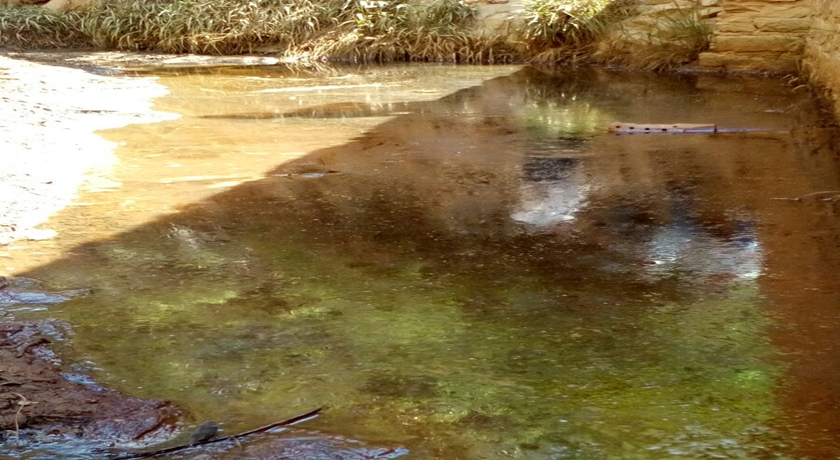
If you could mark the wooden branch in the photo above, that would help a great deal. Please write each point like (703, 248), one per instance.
(637, 128)
(262, 429)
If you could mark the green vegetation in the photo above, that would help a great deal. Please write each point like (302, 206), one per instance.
(35, 27)
(467, 363)
(677, 38)
(560, 30)
(402, 31)
(551, 31)
(358, 30)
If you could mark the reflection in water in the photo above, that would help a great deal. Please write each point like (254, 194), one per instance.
(552, 191)
(487, 276)
(686, 246)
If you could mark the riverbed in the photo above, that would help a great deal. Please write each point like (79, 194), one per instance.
(462, 262)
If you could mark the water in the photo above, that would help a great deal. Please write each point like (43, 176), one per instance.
(460, 261)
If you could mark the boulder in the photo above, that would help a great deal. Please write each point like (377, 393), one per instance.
(61, 6)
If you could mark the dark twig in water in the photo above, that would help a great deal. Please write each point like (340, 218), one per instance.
(233, 437)
(824, 192)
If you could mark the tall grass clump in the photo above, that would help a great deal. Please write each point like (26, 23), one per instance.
(209, 26)
(400, 30)
(677, 38)
(315, 30)
(609, 32)
(552, 23)
(680, 37)
(35, 27)
(559, 30)
(553, 31)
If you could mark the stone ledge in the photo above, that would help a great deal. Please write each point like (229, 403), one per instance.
(736, 27)
(755, 62)
(788, 9)
(498, 18)
(784, 25)
(754, 43)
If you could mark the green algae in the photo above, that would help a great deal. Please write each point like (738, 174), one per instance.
(634, 379)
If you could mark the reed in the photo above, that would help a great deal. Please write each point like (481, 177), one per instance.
(678, 38)
(555, 31)
(570, 31)
(358, 30)
(209, 26)
(402, 31)
(35, 27)
(563, 23)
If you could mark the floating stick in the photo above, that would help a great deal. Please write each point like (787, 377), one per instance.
(235, 437)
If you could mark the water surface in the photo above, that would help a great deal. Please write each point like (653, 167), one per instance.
(463, 262)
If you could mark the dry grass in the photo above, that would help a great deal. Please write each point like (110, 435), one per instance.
(358, 30)
(391, 31)
(570, 31)
(555, 31)
(590, 31)
(677, 39)
(209, 26)
(563, 23)
(35, 27)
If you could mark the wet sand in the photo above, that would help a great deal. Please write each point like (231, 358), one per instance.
(48, 115)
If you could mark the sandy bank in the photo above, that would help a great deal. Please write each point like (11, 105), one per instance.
(48, 119)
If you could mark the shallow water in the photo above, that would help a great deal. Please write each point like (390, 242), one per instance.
(461, 261)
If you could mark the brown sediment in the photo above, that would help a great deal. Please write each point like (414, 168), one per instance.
(38, 401)
(804, 305)
(803, 293)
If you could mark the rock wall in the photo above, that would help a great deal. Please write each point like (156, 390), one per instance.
(654, 19)
(60, 6)
(781, 36)
(778, 36)
(822, 48)
(498, 17)
(762, 35)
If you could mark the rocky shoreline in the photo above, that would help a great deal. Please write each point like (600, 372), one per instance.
(48, 118)
(39, 404)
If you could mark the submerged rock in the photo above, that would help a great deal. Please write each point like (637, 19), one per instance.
(28, 291)
(299, 444)
(41, 404)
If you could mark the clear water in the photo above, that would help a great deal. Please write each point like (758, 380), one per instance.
(462, 262)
